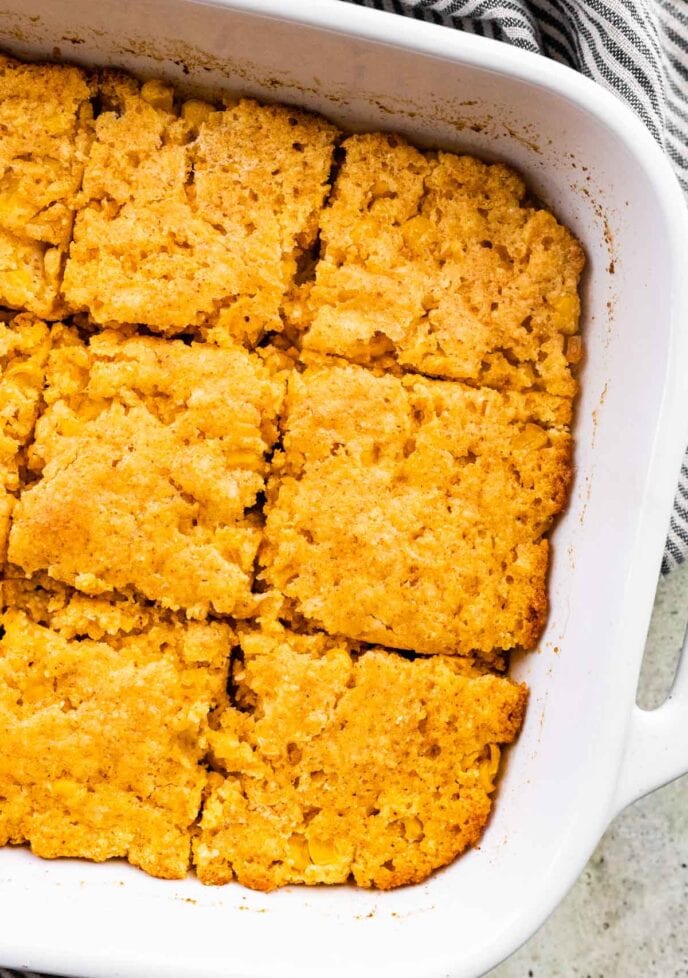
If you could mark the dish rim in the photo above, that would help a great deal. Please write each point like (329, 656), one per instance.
(671, 433)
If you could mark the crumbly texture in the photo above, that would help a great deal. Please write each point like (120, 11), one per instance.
(45, 130)
(368, 766)
(103, 720)
(149, 458)
(195, 219)
(350, 437)
(412, 512)
(24, 347)
(437, 262)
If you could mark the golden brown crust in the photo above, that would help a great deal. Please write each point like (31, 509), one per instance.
(411, 512)
(45, 130)
(24, 347)
(340, 765)
(437, 263)
(150, 454)
(193, 220)
(430, 347)
(103, 722)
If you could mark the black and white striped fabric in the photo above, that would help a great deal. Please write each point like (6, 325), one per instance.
(637, 48)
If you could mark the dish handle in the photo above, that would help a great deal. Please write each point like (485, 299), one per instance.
(657, 742)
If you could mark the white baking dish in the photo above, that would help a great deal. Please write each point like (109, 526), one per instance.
(586, 750)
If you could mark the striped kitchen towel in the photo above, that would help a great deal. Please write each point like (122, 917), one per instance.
(637, 48)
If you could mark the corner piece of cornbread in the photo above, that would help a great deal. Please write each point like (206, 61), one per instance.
(411, 512)
(195, 219)
(437, 262)
(103, 719)
(45, 129)
(24, 347)
(148, 460)
(340, 764)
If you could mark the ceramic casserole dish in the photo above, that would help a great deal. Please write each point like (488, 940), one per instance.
(586, 749)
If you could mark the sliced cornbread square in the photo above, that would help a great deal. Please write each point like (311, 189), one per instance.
(24, 347)
(147, 464)
(437, 262)
(45, 129)
(195, 219)
(339, 763)
(103, 721)
(411, 512)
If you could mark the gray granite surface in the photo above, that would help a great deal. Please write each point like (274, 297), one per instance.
(627, 916)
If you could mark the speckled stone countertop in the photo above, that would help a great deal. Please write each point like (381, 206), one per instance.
(627, 916)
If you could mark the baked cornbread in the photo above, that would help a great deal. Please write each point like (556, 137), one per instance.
(45, 127)
(24, 347)
(275, 489)
(149, 457)
(342, 765)
(195, 219)
(438, 262)
(103, 718)
(411, 512)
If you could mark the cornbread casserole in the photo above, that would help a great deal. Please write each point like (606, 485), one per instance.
(411, 512)
(303, 393)
(169, 442)
(24, 346)
(438, 263)
(195, 220)
(103, 710)
(45, 129)
(350, 762)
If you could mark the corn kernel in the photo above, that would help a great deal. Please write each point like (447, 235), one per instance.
(413, 828)
(380, 189)
(485, 779)
(566, 312)
(532, 437)
(245, 460)
(196, 112)
(66, 791)
(12, 206)
(418, 233)
(158, 94)
(574, 349)
(322, 851)
(52, 261)
(299, 852)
